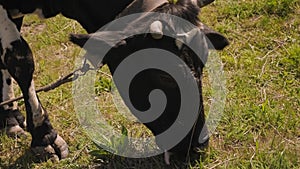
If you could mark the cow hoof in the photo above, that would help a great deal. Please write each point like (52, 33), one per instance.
(15, 131)
(45, 153)
(61, 146)
(12, 122)
(55, 152)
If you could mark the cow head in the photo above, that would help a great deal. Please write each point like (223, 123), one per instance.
(187, 41)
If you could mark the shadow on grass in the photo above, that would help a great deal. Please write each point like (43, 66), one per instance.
(156, 162)
(25, 161)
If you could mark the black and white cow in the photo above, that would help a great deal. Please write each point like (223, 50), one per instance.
(17, 61)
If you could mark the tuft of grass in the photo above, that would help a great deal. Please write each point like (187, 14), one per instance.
(261, 121)
(250, 8)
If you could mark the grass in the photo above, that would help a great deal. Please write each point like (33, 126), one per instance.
(260, 127)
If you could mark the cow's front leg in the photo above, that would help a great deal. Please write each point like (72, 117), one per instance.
(46, 143)
(11, 119)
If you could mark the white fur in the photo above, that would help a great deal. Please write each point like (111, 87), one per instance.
(36, 108)
(8, 34)
(8, 30)
(7, 90)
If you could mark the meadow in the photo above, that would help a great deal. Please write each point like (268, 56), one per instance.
(260, 126)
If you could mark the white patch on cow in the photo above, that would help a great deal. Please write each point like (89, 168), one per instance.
(39, 13)
(7, 90)
(8, 32)
(36, 108)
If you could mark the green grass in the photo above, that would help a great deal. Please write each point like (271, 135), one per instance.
(260, 127)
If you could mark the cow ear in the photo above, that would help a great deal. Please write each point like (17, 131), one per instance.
(97, 42)
(215, 39)
(92, 43)
(195, 39)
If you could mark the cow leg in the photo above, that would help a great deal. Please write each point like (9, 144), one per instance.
(45, 140)
(17, 58)
(11, 119)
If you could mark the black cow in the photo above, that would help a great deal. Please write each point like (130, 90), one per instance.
(17, 61)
